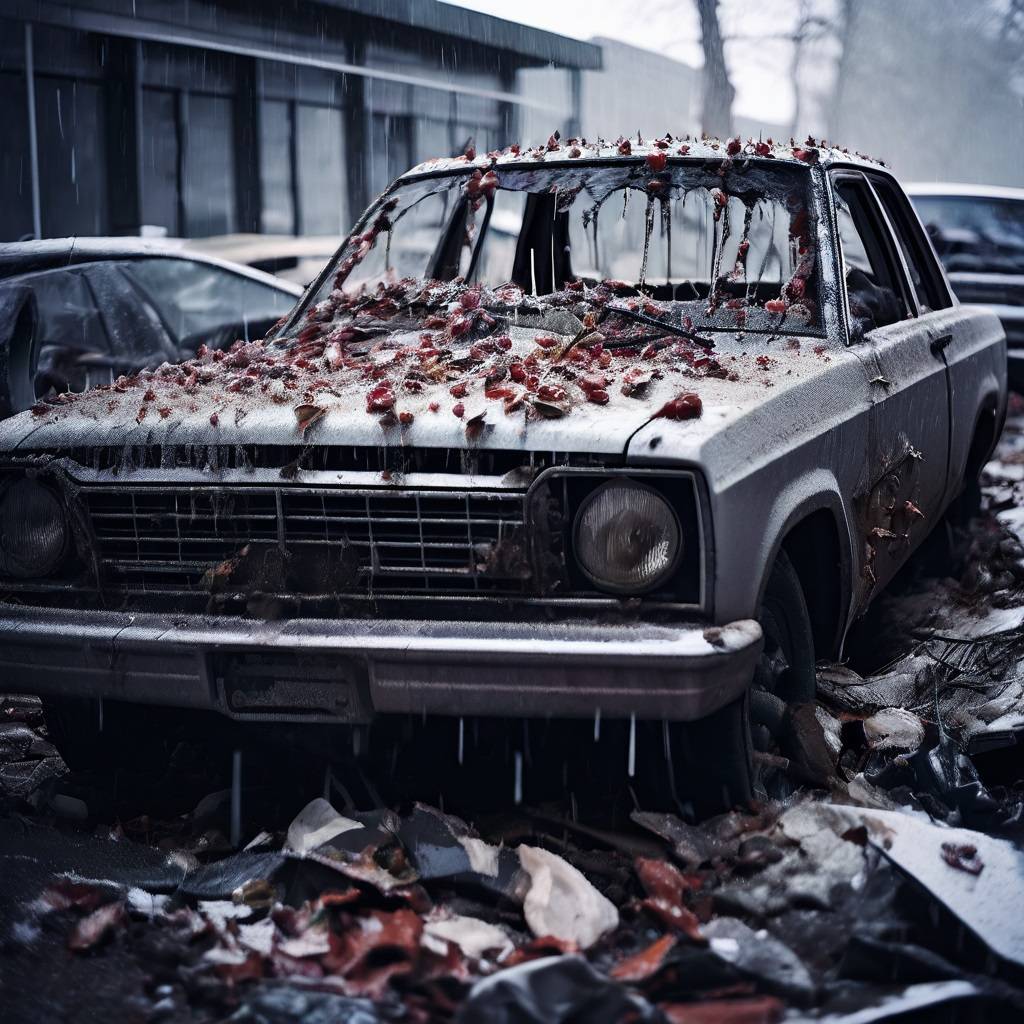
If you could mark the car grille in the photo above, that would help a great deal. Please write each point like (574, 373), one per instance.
(309, 540)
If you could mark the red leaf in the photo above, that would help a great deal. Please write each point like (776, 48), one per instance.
(657, 161)
(686, 406)
(645, 963)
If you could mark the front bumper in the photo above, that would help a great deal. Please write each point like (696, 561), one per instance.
(348, 670)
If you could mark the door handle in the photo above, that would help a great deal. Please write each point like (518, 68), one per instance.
(940, 344)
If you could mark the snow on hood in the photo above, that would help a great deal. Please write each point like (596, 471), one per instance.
(440, 364)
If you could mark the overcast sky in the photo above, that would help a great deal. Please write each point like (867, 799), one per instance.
(758, 65)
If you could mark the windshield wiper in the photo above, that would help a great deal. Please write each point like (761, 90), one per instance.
(663, 325)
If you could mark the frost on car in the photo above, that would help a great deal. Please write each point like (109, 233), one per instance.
(632, 430)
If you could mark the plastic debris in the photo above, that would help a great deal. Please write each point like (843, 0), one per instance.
(317, 823)
(549, 991)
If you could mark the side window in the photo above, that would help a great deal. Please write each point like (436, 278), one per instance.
(92, 326)
(874, 288)
(925, 276)
(201, 302)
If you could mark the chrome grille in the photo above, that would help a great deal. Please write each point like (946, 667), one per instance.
(313, 540)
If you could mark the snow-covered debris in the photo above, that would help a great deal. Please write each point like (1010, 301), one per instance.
(477, 939)
(894, 729)
(317, 823)
(561, 902)
(977, 877)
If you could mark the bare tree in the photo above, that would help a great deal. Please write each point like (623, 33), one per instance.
(811, 27)
(717, 90)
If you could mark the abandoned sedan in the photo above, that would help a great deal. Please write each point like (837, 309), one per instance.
(633, 430)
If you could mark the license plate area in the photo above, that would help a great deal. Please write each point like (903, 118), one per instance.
(269, 686)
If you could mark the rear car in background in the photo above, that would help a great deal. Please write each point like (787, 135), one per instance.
(978, 233)
(77, 312)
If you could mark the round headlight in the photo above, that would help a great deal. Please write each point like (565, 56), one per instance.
(627, 537)
(33, 530)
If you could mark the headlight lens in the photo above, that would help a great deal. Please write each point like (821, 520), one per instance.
(33, 530)
(627, 537)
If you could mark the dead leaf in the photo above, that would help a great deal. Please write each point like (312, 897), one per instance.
(95, 927)
(307, 415)
(648, 961)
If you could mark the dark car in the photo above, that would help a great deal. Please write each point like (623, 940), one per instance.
(978, 232)
(79, 312)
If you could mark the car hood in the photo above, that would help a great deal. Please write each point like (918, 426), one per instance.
(529, 388)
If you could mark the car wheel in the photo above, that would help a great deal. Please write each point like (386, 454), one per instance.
(711, 761)
(770, 740)
(788, 742)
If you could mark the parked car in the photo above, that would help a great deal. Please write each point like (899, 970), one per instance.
(978, 232)
(75, 312)
(473, 481)
(294, 258)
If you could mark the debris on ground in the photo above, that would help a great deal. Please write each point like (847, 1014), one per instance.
(891, 890)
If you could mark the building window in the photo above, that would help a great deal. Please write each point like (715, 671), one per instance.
(390, 149)
(72, 185)
(160, 160)
(208, 167)
(323, 209)
(276, 154)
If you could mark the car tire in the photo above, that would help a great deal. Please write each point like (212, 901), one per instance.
(717, 764)
(712, 761)
(783, 717)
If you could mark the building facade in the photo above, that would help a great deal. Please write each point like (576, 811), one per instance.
(210, 117)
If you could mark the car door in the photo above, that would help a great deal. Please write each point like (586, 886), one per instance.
(967, 354)
(908, 437)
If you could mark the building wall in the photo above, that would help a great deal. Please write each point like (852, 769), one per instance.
(204, 117)
(638, 91)
(634, 91)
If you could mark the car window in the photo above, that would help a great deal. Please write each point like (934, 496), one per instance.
(726, 249)
(93, 325)
(68, 314)
(204, 303)
(874, 291)
(925, 276)
(978, 234)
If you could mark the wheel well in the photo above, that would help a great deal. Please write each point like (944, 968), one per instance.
(813, 548)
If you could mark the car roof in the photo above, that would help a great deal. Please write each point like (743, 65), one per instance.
(942, 188)
(629, 151)
(18, 258)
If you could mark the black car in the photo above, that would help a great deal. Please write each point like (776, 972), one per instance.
(80, 312)
(978, 233)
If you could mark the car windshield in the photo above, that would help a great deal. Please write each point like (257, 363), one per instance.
(693, 246)
(975, 233)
